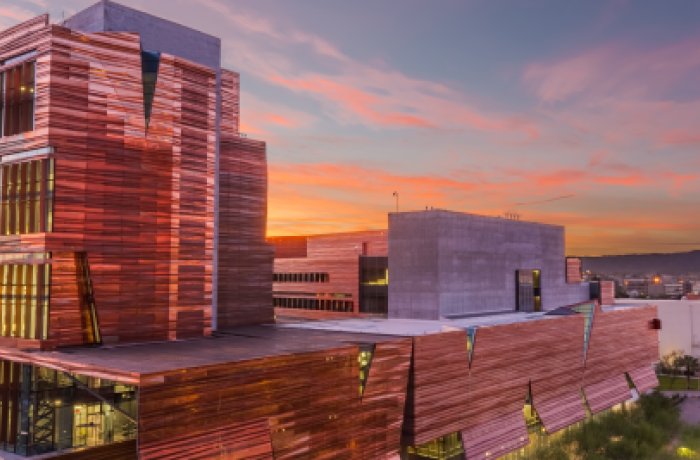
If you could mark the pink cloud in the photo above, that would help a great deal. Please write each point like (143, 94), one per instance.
(622, 95)
(351, 91)
(11, 14)
(260, 117)
(680, 137)
(351, 100)
(615, 70)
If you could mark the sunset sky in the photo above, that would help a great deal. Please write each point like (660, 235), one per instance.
(585, 114)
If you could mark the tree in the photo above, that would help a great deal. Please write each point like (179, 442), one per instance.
(690, 365)
(670, 364)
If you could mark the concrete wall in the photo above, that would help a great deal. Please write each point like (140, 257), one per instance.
(680, 324)
(444, 263)
(157, 34)
(413, 269)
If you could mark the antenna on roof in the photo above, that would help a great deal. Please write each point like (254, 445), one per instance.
(396, 195)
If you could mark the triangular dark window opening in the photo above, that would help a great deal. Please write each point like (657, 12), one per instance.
(150, 61)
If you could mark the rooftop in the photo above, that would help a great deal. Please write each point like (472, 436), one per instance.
(132, 363)
(141, 362)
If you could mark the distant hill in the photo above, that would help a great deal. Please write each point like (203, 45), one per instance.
(677, 263)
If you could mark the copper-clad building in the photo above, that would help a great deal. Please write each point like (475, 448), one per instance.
(136, 306)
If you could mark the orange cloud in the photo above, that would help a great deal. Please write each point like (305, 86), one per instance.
(321, 197)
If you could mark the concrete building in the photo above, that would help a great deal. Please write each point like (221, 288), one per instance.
(445, 264)
(636, 287)
(674, 290)
(680, 324)
(440, 263)
(127, 195)
(333, 275)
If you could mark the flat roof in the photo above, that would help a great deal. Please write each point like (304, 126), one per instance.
(128, 362)
(415, 327)
(137, 363)
(631, 303)
(448, 212)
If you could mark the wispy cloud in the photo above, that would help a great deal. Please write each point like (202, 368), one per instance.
(354, 92)
(624, 94)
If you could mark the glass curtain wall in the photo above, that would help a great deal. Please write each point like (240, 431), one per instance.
(374, 284)
(27, 197)
(17, 90)
(44, 410)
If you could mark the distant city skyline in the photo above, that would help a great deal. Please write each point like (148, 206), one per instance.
(582, 114)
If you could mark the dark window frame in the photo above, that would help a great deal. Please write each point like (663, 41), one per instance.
(18, 116)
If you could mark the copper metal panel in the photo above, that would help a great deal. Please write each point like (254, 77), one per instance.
(620, 341)
(249, 440)
(287, 247)
(607, 292)
(500, 371)
(573, 270)
(496, 437)
(305, 384)
(139, 201)
(644, 378)
(556, 346)
(14, 35)
(384, 398)
(125, 450)
(334, 254)
(230, 102)
(607, 393)
(560, 411)
(245, 260)
(437, 402)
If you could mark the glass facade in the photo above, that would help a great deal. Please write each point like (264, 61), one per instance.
(26, 197)
(305, 277)
(588, 310)
(17, 89)
(447, 447)
(314, 303)
(374, 284)
(88, 312)
(364, 361)
(528, 290)
(44, 410)
(24, 300)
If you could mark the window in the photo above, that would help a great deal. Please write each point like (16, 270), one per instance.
(374, 284)
(313, 304)
(449, 447)
(528, 290)
(26, 197)
(44, 410)
(150, 61)
(17, 89)
(24, 300)
(300, 277)
(364, 360)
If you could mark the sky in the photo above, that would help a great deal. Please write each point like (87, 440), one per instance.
(584, 114)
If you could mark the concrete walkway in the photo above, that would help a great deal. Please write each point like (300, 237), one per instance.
(690, 407)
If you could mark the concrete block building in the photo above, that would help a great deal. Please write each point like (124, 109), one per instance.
(450, 264)
(429, 265)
